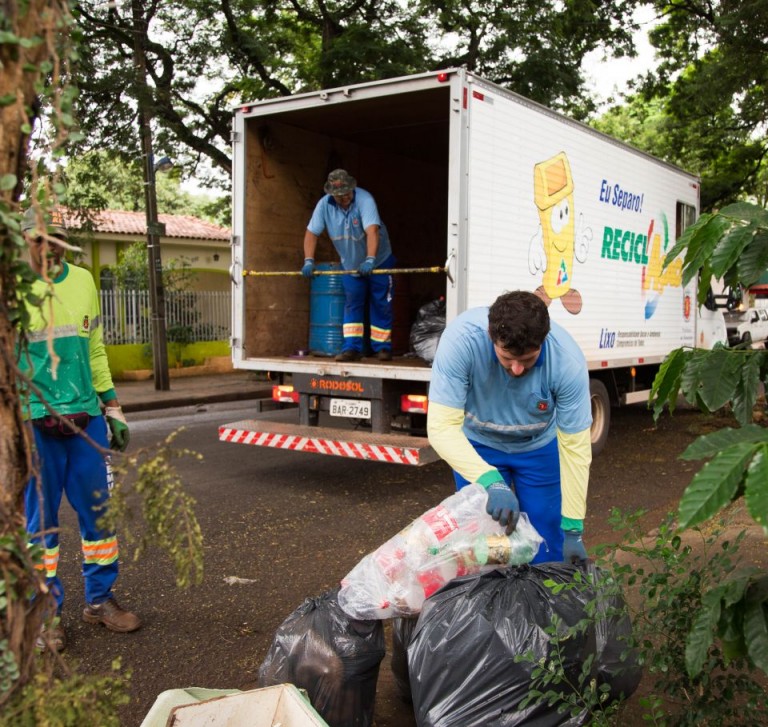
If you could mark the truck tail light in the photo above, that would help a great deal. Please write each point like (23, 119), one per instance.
(285, 393)
(414, 403)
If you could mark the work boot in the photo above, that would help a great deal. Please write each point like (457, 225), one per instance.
(112, 616)
(384, 354)
(52, 637)
(349, 355)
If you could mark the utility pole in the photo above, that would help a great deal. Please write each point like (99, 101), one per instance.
(155, 229)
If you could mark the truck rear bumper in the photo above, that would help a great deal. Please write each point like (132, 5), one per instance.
(392, 448)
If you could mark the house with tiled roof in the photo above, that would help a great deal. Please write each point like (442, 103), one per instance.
(203, 243)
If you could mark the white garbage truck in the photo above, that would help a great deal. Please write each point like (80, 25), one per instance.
(482, 191)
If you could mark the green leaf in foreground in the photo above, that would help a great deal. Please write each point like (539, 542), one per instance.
(714, 485)
(666, 385)
(745, 396)
(756, 492)
(756, 625)
(702, 634)
(719, 378)
(710, 444)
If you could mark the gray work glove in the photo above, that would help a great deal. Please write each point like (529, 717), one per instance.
(502, 505)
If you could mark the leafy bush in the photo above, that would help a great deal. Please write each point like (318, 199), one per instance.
(731, 246)
(675, 589)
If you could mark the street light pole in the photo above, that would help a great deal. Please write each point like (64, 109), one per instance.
(155, 228)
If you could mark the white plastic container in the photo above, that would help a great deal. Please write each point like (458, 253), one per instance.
(282, 705)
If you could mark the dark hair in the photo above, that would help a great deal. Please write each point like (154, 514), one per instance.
(518, 321)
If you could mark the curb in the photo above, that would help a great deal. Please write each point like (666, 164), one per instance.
(181, 400)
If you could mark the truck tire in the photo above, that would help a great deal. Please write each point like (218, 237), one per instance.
(601, 415)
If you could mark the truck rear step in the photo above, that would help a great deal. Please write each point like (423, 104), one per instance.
(392, 448)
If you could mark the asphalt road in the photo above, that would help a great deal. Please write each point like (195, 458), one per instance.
(280, 527)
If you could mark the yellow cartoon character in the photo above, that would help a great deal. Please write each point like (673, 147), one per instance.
(554, 246)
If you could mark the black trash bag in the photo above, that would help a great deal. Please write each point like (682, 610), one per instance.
(461, 659)
(402, 632)
(616, 663)
(427, 329)
(336, 659)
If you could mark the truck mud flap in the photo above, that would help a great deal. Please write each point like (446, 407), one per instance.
(393, 448)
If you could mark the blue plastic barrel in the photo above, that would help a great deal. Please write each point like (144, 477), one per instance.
(326, 312)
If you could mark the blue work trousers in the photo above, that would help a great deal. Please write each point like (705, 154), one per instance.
(378, 289)
(536, 479)
(72, 466)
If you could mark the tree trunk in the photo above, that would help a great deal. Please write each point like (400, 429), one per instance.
(20, 621)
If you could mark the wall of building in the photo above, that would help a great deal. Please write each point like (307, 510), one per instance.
(125, 360)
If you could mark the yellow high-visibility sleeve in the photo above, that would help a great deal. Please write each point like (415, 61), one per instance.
(444, 429)
(575, 458)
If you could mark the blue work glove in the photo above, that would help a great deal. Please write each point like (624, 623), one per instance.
(309, 267)
(366, 267)
(502, 505)
(119, 428)
(574, 551)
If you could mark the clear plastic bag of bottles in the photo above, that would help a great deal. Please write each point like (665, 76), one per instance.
(455, 538)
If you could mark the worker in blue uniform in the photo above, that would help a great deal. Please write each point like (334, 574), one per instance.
(509, 408)
(351, 219)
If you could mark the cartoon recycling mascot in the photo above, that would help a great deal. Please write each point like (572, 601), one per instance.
(555, 245)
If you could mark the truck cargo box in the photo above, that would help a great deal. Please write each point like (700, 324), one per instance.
(483, 191)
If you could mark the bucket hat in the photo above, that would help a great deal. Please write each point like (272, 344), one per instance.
(339, 182)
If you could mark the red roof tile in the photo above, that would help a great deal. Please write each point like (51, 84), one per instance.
(122, 222)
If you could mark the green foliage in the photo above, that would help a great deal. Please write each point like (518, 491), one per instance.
(16, 277)
(204, 58)
(711, 77)
(711, 379)
(732, 245)
(167, 510)
(132, 270)
(9, 668)
(71, 702)
(736, 468)
(703, 107)
(98, 180)
(694, 613)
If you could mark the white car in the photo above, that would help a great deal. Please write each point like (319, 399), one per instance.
(749, 327)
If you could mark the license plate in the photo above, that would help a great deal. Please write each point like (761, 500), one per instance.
(355, 408)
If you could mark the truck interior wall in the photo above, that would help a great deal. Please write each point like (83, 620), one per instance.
(286, 170)
(412, 197)
(285, 178)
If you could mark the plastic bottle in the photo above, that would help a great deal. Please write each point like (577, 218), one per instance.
(390, 556)
(433, 578)
(501, 550)
(459, 515)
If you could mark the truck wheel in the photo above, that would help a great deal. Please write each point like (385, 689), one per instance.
(746, 339)
(601, 415)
